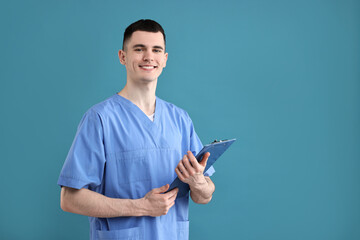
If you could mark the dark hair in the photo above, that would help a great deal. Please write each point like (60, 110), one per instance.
(146, 25)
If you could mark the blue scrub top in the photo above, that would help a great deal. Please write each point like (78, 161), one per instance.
(119, 152)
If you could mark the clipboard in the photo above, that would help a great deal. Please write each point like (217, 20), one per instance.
(216, 149)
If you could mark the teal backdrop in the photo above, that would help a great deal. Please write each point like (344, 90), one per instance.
(283, 77)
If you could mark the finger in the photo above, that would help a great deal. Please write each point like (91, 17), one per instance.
(183, 170)
(190, 154)
(171, 193)
(193, 161)
(172, 204)
(184, 161)
(187, 165)
(172, 198)
(161, 189)
(180, 175)
(205, 159)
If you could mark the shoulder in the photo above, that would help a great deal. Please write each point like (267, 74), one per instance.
(175, 114)
(103, 109)
(171, 108)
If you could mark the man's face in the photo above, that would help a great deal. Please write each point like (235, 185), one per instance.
(144, 56)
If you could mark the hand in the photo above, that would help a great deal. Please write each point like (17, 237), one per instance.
(158, 203)
(190, 171)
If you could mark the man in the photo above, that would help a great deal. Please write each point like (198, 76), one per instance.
(128, 149)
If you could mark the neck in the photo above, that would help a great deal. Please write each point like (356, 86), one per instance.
(142, 95)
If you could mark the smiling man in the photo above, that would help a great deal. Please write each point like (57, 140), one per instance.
(130, 147)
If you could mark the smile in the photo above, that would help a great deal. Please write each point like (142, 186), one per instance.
(148, 67)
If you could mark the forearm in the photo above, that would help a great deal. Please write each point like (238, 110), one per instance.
(202, 193)
(93, 204)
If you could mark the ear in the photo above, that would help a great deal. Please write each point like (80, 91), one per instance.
(122, 57)
(166, 57)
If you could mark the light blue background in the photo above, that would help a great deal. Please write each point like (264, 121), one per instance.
(283, 77)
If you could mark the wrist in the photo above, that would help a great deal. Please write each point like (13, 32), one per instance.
(199, 185)
(141, 207)
(202, 193)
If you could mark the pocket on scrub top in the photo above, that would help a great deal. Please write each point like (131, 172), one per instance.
(123, 234)
(183, 229)
(132, 167)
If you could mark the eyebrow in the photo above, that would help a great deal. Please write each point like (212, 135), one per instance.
(142, 45)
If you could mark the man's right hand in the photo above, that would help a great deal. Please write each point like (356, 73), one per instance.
(157, 203)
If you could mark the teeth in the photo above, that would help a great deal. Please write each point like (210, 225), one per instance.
(148, 67)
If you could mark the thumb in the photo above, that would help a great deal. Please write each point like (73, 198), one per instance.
(205, 159)
(162, 189)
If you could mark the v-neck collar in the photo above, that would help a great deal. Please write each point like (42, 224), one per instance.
(139, 113)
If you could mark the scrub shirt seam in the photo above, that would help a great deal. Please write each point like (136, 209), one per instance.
(74, 178)
(103, 124)
(138, 149)
(73, 184)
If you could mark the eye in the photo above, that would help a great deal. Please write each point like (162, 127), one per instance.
(137, 49)
(157, 50)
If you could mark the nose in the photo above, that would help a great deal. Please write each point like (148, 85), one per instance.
(148, 56)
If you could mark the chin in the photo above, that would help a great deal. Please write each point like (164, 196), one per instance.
(148, 80)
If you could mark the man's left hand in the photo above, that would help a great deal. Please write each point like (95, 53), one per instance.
(190, 171)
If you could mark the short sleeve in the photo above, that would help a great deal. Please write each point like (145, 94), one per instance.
(196, 146)
(84, 164)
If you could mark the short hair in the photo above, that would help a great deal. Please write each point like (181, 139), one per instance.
(146, 25)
